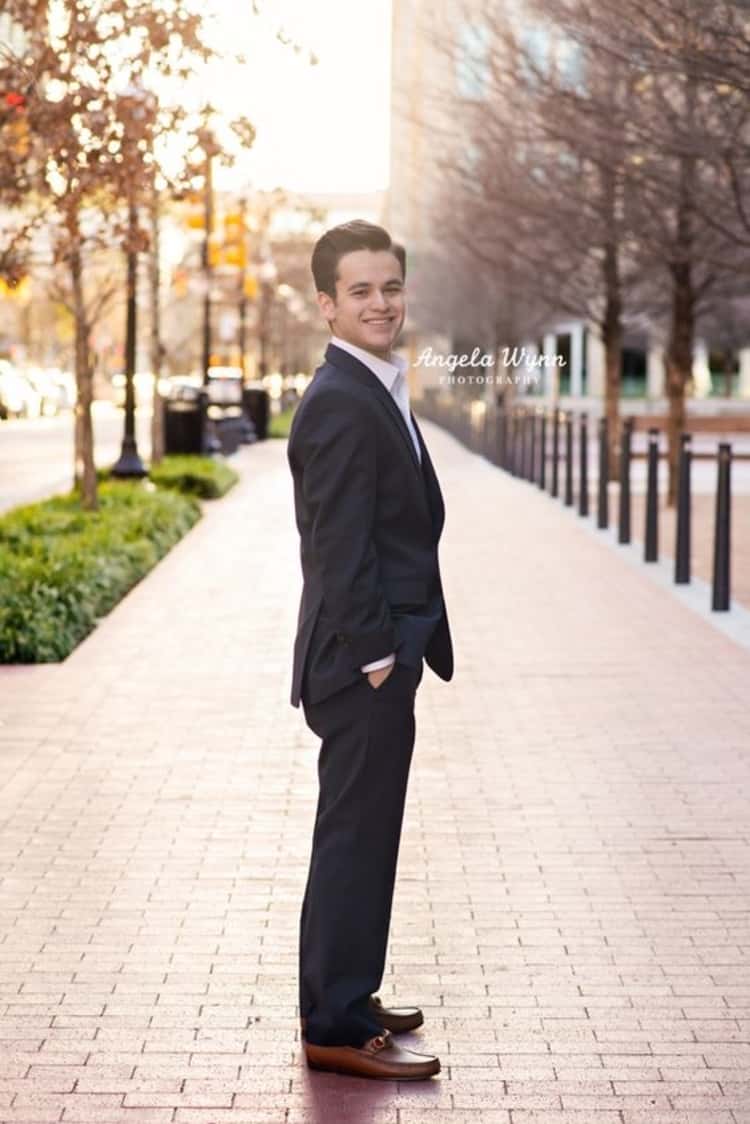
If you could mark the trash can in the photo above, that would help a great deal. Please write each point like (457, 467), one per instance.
(229, 427)
(184, 415)
(256, 405)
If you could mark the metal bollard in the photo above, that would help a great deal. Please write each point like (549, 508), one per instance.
(520, 443)
(651, 537)
(512, 442)
(583, 484)
(555, 449)
(722, 530)
(524, 442)
(682, 543)
(568, 458)
(543, 450)
(532, 445)
(602, 503)
(623, 534)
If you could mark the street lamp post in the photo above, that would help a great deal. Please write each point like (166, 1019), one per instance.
(243, 281)
(208, 145)
(267, 274)
(129, 464)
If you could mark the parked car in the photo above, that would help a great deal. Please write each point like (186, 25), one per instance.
(18, 397)
(52, 394)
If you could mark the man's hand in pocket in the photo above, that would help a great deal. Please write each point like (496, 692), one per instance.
(377, 678)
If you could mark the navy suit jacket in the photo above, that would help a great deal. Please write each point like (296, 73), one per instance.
(370, 519)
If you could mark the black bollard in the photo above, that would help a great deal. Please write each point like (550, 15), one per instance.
(583, 488)
(722, 530)
(682, 544)
(512, 442)
(568, 458)
(543, 450)
(555, 449)
(602, 503)
(525, 444)
(532, 445)
(623, 534)
(521, 445)
(504, 432)
(651, 544)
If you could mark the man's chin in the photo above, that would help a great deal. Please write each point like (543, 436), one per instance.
(380, 341)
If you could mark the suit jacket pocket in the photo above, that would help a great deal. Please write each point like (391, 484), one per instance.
(402, 592)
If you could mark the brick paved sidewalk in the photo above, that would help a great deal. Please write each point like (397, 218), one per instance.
(573, 903)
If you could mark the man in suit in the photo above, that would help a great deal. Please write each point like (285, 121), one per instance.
(369, 513)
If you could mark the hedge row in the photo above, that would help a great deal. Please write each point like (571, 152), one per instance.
(62, 568)
(192, 475)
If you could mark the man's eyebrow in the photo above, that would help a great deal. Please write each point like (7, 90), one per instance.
(366, 284)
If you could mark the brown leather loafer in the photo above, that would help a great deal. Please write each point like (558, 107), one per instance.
(398, 1020)
(379, 1058)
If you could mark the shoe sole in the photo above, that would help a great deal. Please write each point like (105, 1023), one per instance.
(344, 1071)
(405, 1028)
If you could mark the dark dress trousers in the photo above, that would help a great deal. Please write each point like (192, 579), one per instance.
(369, 517)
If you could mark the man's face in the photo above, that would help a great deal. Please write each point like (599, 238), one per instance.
(370, 303)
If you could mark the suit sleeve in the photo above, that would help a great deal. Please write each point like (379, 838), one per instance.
(335, 448)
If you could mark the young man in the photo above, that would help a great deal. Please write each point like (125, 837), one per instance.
(369, 513)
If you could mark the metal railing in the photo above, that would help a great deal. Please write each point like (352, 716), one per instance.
(527, 442)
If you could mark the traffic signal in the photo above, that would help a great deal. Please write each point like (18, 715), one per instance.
(234, 250)
(14, 122)
(195, 217)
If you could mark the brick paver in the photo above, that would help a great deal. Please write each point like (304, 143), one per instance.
(572, 908)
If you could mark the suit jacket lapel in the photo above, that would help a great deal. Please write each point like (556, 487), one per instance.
(432, 486)
(352, 365)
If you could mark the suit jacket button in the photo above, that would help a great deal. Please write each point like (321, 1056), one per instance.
(340, 637)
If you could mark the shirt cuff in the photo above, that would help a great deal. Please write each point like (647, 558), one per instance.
(386, 661)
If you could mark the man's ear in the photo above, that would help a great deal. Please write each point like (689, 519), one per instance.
(327, 305)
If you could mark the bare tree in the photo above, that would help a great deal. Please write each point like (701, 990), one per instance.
(88, 142)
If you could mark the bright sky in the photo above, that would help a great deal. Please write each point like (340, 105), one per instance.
(321, 128)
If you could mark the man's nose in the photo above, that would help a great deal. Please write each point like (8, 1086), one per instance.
(379, 299)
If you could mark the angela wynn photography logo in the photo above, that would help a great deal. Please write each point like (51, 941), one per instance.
(517, 365)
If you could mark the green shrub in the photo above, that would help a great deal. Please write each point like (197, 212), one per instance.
(62, 568)
(190, 474)
(194, 476)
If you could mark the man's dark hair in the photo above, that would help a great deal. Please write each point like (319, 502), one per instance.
(344, 239)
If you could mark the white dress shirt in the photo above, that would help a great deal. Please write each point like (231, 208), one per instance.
(392, 374)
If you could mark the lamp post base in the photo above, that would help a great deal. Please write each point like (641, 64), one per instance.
(129, 464)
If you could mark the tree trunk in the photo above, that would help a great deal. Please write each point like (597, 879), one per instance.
(679, 362)
(157, 420)
(85, 467)
(612, 338)
(611, 323)
(679, 358)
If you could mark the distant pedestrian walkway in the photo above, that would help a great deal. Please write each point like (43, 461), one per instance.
(572, 909)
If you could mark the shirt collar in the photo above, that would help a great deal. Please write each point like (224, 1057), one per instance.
(387, 371)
